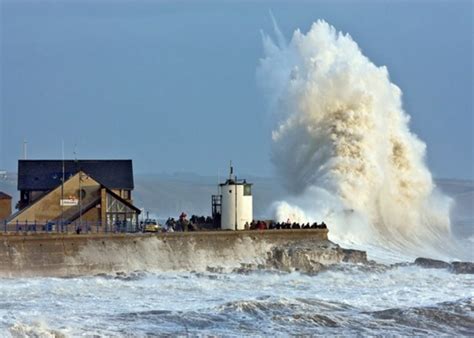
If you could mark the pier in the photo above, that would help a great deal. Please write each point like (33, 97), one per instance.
(66, 255)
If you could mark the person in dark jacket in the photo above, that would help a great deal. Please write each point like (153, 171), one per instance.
(253, 225)
(295, 226)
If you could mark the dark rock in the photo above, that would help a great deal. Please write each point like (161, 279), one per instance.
(462, 267)
(431, 263)
(243, 271)
(215, 269)
(354, 256)
(311, 258)
(455, 267)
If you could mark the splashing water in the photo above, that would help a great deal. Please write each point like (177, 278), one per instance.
(343, 147)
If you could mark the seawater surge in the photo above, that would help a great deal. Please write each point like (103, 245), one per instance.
(344, 150)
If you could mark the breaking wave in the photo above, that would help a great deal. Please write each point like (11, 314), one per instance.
(343, 147)
(404, 300)
(313, 316)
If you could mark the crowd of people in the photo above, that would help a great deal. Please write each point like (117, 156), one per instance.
(201, 219)
(182, 224)
(262, 225)
(198, 222)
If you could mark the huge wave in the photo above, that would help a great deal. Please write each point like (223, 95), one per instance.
(343, 147)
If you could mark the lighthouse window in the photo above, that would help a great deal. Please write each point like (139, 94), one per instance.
(247, 190)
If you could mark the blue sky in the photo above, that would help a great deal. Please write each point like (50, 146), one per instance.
(172, 84)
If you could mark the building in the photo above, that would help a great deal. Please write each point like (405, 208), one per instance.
(234, 205)
(5, 206)
(37, 177)
(97, 192)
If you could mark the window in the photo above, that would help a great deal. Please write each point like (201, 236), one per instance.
(118, 213)
(247, 190)
(81, 193)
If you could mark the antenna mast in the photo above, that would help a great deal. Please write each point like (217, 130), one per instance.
(62, 185)
(25, 149)
(80, 187)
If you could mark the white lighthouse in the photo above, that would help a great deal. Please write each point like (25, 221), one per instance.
(236, 203)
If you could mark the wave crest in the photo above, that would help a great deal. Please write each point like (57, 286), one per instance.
(343, 147)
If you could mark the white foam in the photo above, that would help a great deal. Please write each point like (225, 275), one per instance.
(107, 306)
(343, 147)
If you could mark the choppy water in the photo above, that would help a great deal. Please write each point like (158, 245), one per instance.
(405, 300)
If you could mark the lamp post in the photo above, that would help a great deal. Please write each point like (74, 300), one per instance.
(80, 198)
(62, 186)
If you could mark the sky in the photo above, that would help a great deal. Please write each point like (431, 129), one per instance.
(172, 84)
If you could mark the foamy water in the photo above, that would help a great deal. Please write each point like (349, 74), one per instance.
(343, 301)
(342, 146)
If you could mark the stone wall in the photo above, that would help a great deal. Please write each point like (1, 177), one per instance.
(87, 254)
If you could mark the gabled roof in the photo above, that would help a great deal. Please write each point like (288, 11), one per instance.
(124, 201)
(47, 174)
(85, 207)
(4, 196)
(97, 200)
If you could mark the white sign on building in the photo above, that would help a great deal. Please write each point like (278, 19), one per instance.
(68, 202)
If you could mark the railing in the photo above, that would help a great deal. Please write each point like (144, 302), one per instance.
(29, 227)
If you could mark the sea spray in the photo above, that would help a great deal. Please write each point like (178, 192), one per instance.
(343, 148)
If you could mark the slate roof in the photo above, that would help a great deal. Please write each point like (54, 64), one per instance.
(47, 174)
(4, 196)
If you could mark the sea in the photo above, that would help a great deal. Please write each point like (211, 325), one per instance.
(345, 300)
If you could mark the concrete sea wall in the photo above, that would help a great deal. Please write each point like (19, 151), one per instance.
(87, 254)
